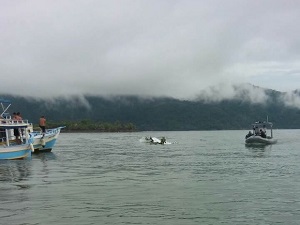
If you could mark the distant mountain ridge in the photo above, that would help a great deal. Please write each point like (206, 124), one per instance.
(163, 113)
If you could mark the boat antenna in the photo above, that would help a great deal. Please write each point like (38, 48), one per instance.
(271, 125)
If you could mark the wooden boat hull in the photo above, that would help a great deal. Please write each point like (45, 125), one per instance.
(15, 152)
(45, 142)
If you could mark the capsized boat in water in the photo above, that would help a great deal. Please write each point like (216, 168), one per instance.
(154, 140)
(259, 135)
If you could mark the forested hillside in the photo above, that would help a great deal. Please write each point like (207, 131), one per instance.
(160, 113)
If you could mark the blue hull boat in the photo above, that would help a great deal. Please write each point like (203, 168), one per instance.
(15, 139)
(44, 142)
(16, 152)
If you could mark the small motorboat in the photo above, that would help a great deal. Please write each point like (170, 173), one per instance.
(259, 135)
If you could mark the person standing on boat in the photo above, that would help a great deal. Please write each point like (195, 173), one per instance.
(14, 116)
(42, 124)
(17, 117)
(16, 131)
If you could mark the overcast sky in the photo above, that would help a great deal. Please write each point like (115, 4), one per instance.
(147, 47)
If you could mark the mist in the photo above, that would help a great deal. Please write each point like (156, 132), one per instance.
(179, 49)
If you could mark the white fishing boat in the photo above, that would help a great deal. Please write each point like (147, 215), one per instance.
(15, 139)
(44, 142)
(260, 135)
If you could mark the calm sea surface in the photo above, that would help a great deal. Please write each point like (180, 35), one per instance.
(203, 177)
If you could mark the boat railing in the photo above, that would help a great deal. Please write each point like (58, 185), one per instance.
(52, 131)
(13, 122)
(48, 131)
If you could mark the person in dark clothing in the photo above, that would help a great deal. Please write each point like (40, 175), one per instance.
(262, 133)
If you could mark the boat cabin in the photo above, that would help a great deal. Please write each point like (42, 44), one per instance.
(13, 132)
(260, 129)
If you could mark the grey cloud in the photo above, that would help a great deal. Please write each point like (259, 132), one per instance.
(242, 91)
(292, 99)
(148, 48)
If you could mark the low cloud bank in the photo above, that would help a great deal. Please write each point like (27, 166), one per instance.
(223, 91)
(245, 92)
(292, 99)
(248, 93)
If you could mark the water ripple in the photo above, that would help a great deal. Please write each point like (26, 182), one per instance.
(113, 178)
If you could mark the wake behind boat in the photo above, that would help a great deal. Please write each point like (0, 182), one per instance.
(259, 136)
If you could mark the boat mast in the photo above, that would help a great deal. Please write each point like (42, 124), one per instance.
(271, 132)
(270, 126)
(5, 104)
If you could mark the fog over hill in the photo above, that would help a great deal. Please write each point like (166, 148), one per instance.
(211, 110)
(171, 48)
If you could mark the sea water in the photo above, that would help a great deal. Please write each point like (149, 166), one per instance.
(202, 177)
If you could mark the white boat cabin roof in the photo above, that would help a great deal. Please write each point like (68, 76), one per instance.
(264, 124)
(13, 124)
